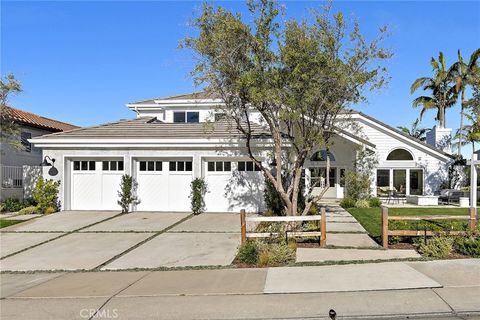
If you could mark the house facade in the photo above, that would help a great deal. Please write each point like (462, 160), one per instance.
(175, 139)
(16, 161)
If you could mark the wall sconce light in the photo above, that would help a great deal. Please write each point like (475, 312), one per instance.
(45, 162)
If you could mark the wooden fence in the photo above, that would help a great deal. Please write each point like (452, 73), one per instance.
(386, 218)
(322, 226)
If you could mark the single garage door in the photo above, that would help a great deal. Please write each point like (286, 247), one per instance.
(232, 186)
(164, 185)
(95, 183)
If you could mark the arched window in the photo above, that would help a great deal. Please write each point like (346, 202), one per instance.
(322, 156)
(400, 154)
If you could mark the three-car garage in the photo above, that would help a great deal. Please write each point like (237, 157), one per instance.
(164, 183)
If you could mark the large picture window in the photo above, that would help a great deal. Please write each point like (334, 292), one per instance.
(416, 182)
(383, 182)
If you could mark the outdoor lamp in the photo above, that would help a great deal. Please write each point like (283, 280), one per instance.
(45, 162)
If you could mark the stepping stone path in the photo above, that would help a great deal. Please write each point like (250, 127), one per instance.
(347, 240)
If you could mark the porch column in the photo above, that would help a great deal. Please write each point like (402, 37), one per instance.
(407, 182)
(473, 181)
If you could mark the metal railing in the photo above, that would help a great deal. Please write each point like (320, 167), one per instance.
(11, 177)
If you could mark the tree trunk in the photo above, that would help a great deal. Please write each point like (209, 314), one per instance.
(460, 134)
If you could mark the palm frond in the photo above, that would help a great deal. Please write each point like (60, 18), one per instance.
(423, 82)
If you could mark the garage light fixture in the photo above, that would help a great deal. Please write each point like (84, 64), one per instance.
(45, 162)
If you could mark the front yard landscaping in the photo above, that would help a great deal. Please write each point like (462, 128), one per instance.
(6, 223)
(441, 245)
(371, 219)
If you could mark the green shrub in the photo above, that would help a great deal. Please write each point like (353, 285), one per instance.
(347, 203)
(374, 202)
(469, 246)
(12, 205)
(248, 252)
(362, 204)
(280, 253)
(197, 195)
(28, 210)
(46, 194)
(273, 201)
(313, 211)
(357, 185)
(264, 259)
(50, 210)
(436, 247)
(126, 194)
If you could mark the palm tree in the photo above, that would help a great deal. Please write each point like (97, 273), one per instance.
(415, 131)
(442, 92)
(465, 74)
(471, 132)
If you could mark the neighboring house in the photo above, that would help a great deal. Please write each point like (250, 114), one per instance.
(13, 159)
(178, 138)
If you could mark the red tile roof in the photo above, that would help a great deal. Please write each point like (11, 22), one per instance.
(31, 119)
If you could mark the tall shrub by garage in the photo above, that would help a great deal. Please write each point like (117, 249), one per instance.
(46, 195)
(128, 188)
(197, 195)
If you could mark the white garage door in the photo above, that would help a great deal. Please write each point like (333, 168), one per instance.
(164, 185)
(232, 186)
(95, 183)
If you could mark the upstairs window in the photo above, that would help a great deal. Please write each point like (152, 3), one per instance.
(188, 117)
(27, 147)
(400, 155)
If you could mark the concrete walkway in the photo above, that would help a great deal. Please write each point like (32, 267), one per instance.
(347, 240)
(427, 289)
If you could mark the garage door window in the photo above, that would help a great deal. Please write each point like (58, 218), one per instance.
(219, 166)
(247, 166)
(112, 165)
(150, 165)
(84, 165)
(180, 166)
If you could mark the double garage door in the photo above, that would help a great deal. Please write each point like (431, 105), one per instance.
(163, 185)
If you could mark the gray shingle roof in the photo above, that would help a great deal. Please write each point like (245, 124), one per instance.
(151, 128)
(201, 95)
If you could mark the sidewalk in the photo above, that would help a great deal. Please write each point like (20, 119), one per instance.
(440, 288)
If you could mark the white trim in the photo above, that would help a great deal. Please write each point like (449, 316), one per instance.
(401, 137)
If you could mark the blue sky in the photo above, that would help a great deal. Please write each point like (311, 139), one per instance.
(82, 61)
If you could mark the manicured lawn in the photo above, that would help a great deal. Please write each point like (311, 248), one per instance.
(371, 219)
(6, 223)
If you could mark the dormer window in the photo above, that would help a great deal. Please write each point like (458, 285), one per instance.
(188, 117)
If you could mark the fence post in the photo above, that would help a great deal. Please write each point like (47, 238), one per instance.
(243, 226)
(323, 227)
(473, 219)
(385, 227)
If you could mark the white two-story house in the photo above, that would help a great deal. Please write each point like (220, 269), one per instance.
(173, 140)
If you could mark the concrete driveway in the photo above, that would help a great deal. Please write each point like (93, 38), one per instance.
(89, 240)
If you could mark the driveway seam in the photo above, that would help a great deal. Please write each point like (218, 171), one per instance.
(116, 293)
(445, 301)
(141, 243)
(64, 233)
(36, 285)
